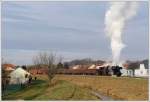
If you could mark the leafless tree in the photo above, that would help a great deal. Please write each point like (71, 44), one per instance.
(60, 62)
(36, 62)
(4, 61)
(47, 60)
(60, 59)
(4, 76)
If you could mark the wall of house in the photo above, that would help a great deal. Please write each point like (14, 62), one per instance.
(141, 72)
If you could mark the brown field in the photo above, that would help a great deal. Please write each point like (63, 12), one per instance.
(119, 88)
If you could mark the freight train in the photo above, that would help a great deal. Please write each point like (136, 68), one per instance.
(103, 71)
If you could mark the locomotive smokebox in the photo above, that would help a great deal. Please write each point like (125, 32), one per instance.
(116, 70)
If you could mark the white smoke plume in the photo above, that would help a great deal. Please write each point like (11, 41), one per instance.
(115, 19)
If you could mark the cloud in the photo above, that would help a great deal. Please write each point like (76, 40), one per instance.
(74, 29)
(24, 57)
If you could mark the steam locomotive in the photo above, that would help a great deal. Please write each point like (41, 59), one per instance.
(110, 70)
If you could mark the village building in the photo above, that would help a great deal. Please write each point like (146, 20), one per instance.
(19, 76)
(8, 67)
(35, 71)
(127, 72)
(76, 67)
(93, 66)
(141, 72)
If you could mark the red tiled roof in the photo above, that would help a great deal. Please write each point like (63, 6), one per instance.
(126, 65)
(8, 65)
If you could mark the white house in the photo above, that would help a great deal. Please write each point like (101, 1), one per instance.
(142, 71)
(127, 72)
(19, 76)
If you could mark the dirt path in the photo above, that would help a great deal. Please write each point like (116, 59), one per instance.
(101, 96)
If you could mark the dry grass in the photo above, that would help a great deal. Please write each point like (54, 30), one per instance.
(122, 88)
(59, 90)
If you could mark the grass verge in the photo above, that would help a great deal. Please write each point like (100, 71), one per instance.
(60, 90)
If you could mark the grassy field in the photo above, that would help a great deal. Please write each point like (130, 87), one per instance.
(119, 88)
(59, 90)
(78, 87)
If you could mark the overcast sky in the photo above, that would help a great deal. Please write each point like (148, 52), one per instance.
(70, 29)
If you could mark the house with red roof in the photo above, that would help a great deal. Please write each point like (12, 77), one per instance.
(8, 67)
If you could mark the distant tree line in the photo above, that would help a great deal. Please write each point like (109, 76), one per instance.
(68, 64)
(86, 61)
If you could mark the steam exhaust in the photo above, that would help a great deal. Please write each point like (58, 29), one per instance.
(115, 19)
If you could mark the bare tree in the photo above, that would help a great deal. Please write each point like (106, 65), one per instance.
(36, 62)
(5, 75)
(4, 61)
(48, 60)
(60, 59)
(60, 62)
